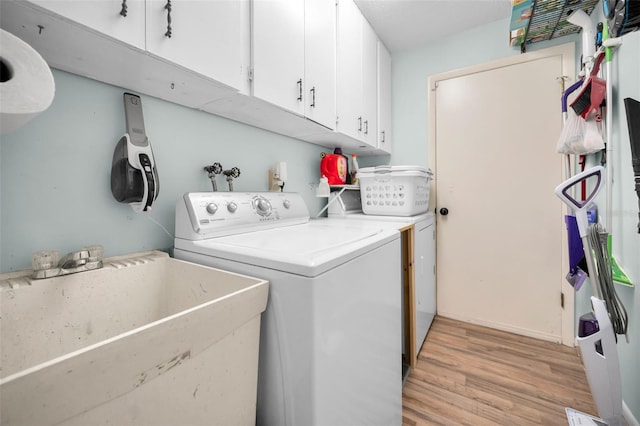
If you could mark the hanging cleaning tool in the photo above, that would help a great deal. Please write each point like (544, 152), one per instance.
(618, 273)
(572, 134)
(594, 241)
(592, 92)
(134, 177)
(597, 330)
(580, 18)
(632, 107)
(599, 353)
(580, 207)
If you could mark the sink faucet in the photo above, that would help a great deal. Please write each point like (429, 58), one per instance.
(46, 264)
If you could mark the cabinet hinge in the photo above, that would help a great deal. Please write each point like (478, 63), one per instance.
(562, 300)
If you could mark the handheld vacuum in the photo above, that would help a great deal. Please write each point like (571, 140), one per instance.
(134, 177)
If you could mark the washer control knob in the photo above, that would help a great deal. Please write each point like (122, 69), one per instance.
(212, 208)
(232, 207)
(286, 204)
(263, 206)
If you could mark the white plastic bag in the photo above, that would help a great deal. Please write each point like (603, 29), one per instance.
(593, 141)
(580, 136)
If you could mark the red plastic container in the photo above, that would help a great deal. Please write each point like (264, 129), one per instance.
(334, 167)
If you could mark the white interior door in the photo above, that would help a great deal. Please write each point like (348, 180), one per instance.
(500, 249)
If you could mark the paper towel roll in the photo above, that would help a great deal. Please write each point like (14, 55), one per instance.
(26, 83)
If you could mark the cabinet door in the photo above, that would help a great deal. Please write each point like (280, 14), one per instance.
(278, 53)
(104, 17)
(384, 98)
(320, 61)
(425, 290)
(208, 37)
(369, 84)
(349, 70)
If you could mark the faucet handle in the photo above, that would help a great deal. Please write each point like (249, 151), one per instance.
(95, 253)
(45, 264)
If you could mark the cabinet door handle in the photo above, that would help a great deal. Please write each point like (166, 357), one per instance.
(359, 124)
(123, 10)
(366, 127)
(169, 30)
(299, 90)
(313, 97)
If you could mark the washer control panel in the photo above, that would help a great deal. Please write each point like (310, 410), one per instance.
(212, 214)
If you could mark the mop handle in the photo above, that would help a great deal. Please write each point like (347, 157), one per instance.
(580, 207)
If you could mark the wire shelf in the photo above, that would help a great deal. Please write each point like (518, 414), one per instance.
(538, 20)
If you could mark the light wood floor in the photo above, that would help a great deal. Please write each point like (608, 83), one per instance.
(472, 375)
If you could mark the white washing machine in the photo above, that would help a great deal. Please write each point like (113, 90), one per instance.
(331, 331)
(347, 205)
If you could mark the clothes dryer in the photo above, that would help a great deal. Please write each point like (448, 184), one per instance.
(347, 205)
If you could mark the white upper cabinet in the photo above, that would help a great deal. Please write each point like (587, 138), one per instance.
(384, 98)
(356, 77)
(369, 85)
(122, 20)
(278, 52)
(349, 70)
(309, 69)
(293, 43)
(320, 61)
(208, 37)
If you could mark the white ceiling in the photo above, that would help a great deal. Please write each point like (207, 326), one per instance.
(405, 24)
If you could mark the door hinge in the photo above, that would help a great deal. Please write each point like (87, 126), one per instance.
(251, 74)
(435, 86)
(562, 300)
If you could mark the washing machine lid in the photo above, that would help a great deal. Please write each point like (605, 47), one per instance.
(308, 249)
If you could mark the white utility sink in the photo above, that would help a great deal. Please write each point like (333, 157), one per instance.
(147, 339)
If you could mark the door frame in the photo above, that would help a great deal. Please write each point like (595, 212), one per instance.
(567, 51)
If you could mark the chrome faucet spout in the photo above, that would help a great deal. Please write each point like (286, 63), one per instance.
(75, 259)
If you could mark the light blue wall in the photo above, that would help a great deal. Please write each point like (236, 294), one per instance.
(626, 241)
(410, 72)
(55, 171)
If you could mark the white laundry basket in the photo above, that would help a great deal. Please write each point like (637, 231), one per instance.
(395, 190)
